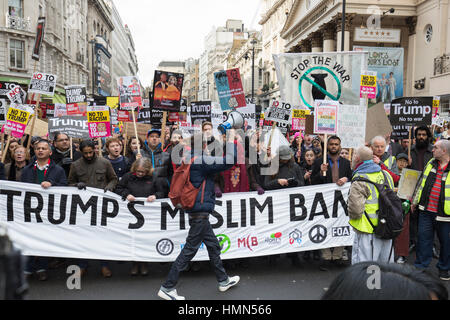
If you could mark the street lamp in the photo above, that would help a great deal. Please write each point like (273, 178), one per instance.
(93, 42)
(253, 42)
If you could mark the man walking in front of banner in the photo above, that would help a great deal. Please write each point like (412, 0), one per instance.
(432, 199)
(202, 174)
(362, 200)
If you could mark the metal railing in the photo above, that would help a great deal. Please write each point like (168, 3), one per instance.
(442, 64)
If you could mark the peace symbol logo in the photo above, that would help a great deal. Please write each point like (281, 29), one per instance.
(225, 242)
(165, 247)
(318, 234)
(318, 86)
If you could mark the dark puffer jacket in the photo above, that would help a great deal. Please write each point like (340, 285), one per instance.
(290, 170)
(161, 162)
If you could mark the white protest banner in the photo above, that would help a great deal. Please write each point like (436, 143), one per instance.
(95, 225)
(352, 126)
(43, 83)
(305, 77)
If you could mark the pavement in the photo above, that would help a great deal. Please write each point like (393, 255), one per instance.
(261, 279)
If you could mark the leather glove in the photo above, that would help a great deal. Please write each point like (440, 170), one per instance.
(81, 186)
(260, 191)
(67, 161)
(108, 189)
(218, 192)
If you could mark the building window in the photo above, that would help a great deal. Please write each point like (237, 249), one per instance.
(15, 8)
(428, 33)
(16, 54)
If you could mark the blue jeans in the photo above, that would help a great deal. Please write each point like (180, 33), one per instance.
(36, 264)
(200, 232)
(424, 251)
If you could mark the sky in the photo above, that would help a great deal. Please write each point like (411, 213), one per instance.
(175, 29)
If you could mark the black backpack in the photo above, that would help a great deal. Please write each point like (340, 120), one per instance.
(390, 214)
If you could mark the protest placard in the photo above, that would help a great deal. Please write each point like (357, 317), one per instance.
(3, 110)
(73, 126)
(407, 184)
(369, 85)
(42, 83)
(99, 121)
(412, 111)
(76, 100)
(200, 112)
(326, 116)
(249, 113)
(129, 93)
(17, 120)
(167, 90)
(16, 94)
(230, 90)
(40, 129)
(352, 125)
(299, 119)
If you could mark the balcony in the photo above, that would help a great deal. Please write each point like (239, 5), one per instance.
(442, 64)
(18, 23)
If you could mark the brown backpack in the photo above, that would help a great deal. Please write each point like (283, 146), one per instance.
(182, 193)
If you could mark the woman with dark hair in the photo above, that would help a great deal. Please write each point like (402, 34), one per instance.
(139, 183)
(20, 159)
(132, 148)
(379, 281)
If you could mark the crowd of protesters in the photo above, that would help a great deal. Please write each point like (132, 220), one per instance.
(139, 168)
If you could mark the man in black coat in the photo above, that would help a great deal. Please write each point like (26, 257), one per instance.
(61, 152)
(46, 173)
(337, 170)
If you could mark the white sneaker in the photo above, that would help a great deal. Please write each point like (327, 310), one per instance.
(231, 283)
(170, 295)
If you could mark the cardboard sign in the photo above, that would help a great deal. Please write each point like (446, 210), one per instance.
(76, 100)
(167, 90)
(412, 111)
(39, 38)
(230, 90)
(99, 122)
(407, 184)
(377, 123)
(369, 85)
(326, 117)
(43, 83)
(17, 120)
(129, 93)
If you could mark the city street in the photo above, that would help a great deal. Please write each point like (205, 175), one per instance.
(260, 281)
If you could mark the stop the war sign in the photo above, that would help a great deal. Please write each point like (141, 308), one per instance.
(415, 111)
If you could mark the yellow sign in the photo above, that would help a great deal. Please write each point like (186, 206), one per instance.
(98, 116)
(301, 114)
(368, 81)
(112, 102)
(17, 115)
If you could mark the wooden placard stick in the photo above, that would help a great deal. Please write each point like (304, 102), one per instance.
(71, 148)
(325, 148)
(135, 131)
(33, 121)
(163, 130)
(100, 147)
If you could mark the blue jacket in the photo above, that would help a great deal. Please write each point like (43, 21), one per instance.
(55, 175)
(206, 170)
